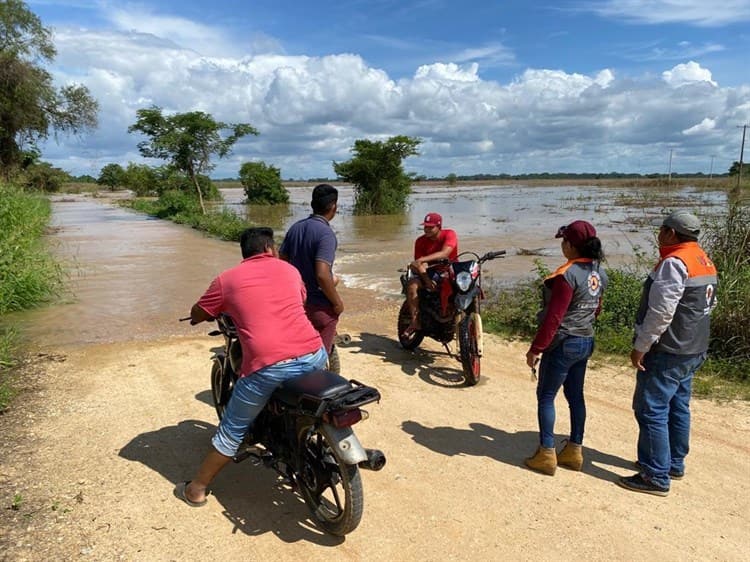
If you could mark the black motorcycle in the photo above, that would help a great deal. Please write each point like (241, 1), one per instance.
(453, 316)
(305, 434)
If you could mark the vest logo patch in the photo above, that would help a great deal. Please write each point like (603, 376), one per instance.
(709, 298)
(594, 282)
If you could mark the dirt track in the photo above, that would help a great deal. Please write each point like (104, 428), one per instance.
(93, 450)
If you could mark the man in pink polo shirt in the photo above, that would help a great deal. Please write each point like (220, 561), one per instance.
(265, 298)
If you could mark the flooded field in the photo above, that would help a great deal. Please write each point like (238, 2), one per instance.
(131, 276)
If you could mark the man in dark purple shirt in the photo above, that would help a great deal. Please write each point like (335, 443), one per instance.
(310, 245)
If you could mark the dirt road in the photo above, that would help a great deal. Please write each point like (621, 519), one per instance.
(91, 453)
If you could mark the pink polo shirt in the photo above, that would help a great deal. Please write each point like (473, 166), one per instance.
(265, 297)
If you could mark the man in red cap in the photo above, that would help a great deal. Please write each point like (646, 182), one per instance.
(435, 244)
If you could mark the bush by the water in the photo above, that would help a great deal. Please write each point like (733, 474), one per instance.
(28, 274)
(184, 208)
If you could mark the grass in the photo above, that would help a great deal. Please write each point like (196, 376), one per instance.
(29, 276)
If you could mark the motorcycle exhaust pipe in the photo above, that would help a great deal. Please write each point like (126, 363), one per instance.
(375, 460)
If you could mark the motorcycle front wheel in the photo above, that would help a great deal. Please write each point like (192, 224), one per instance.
(331, 489)
(468, 340)
(407, 341)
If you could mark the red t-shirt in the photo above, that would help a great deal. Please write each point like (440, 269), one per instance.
(265, 297)
(425, 246)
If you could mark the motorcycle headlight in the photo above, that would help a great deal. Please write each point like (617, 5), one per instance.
(463, 280)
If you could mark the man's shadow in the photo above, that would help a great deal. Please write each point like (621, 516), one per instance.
(254, 498)
(417, 362)
(510, 448)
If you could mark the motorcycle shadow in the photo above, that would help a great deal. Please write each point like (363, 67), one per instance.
(422, 363)
(510, 448)
(252, 498)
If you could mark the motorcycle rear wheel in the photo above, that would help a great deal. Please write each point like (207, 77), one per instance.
(469, 349)
(222, 384)
(331, 489)
(410, 341)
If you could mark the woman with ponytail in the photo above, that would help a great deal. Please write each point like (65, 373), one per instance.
(571, 301)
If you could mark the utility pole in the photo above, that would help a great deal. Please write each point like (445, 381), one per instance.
(670, 167)
(742, 152)
(711, 169)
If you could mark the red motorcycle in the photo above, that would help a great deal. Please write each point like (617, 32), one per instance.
(451, 311)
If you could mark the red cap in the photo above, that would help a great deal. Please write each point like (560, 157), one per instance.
(432, 219)
(577, 233)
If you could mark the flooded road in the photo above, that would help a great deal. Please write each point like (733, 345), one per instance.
(132, 276)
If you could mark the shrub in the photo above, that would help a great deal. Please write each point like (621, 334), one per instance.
(44, 177)
(262, 184)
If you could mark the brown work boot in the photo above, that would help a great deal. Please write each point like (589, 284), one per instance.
(544, 461)
(571, 456)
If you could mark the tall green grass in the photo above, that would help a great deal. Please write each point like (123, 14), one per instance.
(29, 276)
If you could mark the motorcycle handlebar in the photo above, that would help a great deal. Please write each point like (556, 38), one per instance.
(493, 255)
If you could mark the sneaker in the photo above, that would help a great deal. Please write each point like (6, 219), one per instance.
(638, 483)
(673, 474)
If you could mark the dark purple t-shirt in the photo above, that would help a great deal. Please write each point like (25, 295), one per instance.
(307, 241)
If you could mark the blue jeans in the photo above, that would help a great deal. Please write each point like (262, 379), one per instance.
(565, 366)
(661, 403)
(251, 394)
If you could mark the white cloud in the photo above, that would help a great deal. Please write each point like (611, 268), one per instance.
(698, 12)
(703, 127)
(310, 110)
(686, 73)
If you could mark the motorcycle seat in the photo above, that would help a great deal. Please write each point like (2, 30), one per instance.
(319, 384)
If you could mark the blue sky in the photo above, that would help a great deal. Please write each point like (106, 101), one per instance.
(489, 86)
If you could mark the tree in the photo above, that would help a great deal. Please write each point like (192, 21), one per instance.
(30, 105)
(187, 140)
(381, 185)
(735, 168)
(263, 184)
(111, 175)
(451, 179)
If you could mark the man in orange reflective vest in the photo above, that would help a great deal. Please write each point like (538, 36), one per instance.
(671, 340)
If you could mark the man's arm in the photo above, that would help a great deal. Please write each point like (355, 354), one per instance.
(327, 284)
(210, 302)
(198, 315)
(665, 293)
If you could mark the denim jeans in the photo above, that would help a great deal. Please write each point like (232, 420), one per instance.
(565, 366)
(661, 403)
(251, 393)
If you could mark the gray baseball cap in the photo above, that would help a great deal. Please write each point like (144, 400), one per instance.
(684, 222)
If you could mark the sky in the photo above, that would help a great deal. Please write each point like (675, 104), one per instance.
(489, 86)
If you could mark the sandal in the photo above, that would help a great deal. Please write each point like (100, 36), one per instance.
(179, 492)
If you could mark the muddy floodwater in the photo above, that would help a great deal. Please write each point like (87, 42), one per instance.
(132, 277)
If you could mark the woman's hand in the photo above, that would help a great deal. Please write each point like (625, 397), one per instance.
(532, 359)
